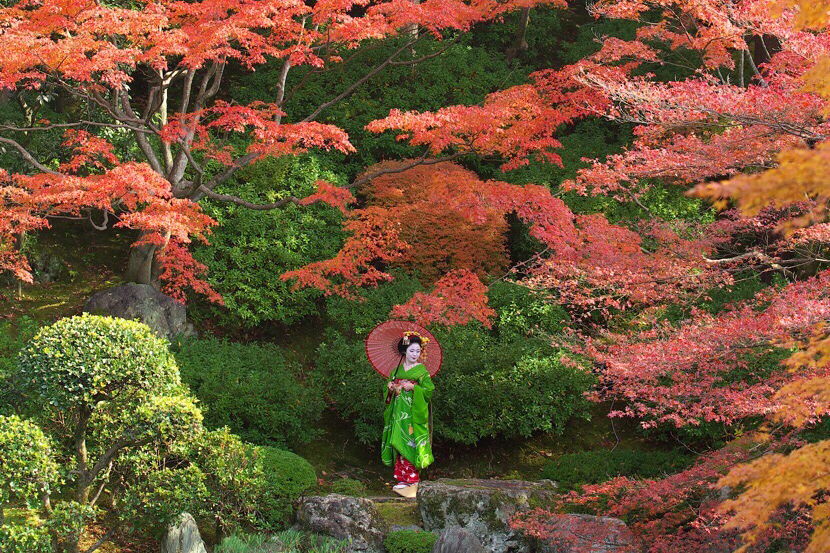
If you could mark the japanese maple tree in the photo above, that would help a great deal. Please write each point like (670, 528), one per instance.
(154, 72)
(748, 125)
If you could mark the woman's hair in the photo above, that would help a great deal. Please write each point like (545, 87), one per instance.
(412, 340)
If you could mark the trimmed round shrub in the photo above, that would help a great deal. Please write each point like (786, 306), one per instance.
(573, 470)
(409, 541)
(252, 389)
(27, 465)
(250, 486)
(20, 538)
(287, 477)
(87, 358)
(504, 386)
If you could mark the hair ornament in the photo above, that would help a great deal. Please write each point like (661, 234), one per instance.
(409, 333)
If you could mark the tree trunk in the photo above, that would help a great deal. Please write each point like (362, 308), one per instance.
(140, 264)
(81, 457)
(519, 39)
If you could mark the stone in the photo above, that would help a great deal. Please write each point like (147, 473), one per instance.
(47, 267)
(344, 517)
(183, 537)
(142, 302)
(483, 508)
(457, 540)
(588, 534)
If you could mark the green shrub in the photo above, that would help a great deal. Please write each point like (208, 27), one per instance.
(488, 386)
(356, 318)
(354, 387)
(250, 486)
(409, 541)
(287, 477)
(12, 339)
(349, 486)
(504, 387)
(155, 502)
(250, 249)
(573, 470)
(252, 389)
(87, 358)
(67, 522)
(19, 538)
(28, 466)
(522, 312)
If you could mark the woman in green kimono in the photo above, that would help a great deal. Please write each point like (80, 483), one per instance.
(406, 438)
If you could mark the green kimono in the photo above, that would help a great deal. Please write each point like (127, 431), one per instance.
(406, 420)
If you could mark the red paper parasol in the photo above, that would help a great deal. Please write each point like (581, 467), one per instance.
(382, 347)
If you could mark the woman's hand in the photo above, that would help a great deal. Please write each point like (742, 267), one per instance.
(408, 386)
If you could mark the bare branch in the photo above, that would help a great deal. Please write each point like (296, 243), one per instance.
(28, 156)
(102, 226)
(360, 81)
(104, 539)
(286, 66)
(239, 201)
(427, 57)
(420, 161)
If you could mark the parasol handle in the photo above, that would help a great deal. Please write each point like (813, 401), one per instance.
(394, 374)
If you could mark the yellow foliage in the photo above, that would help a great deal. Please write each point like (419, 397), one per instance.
(773, 481)
(800, 174)
(814, 352)
(820, 541)
(812, 14)
(804, 401)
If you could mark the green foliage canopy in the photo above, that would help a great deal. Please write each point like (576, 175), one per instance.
(252, 389)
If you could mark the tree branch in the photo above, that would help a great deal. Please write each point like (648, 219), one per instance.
(239, 201)
(104, 539)
(28, 156)
(360, 81)
(420, 161)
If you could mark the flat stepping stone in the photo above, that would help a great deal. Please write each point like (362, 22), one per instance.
(391, 499)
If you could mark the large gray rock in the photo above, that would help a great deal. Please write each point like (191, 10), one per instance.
(344, 517)
(457, 540)
(183, 537)
(588, 534)
(483, 508)
(142, 302)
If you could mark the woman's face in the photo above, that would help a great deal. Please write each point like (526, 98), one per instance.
(413, 352)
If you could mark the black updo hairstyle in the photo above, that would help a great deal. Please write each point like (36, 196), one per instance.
(412, 340)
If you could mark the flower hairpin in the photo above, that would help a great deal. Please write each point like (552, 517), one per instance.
(408, 335)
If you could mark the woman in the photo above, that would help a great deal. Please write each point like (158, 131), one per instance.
(406, 440)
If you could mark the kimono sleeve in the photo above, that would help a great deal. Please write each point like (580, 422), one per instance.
(427, 387)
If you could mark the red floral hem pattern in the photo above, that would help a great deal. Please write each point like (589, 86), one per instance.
(406, 471)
